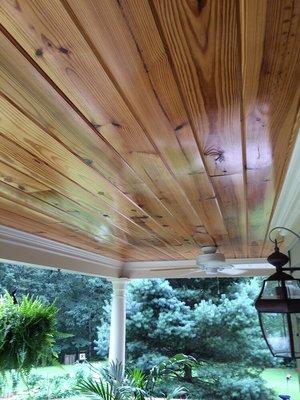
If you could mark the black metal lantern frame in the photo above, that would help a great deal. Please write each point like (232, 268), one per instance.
(278, 306)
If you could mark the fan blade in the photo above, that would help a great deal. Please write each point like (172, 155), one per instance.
(232, 271)
(175, 269)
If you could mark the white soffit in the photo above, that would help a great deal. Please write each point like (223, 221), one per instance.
(287, 212)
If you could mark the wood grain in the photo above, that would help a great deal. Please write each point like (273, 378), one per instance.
(203, 43)
(271, 70)
(143, 129)
(79, 68)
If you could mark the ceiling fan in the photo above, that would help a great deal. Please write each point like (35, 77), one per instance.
(211, 262)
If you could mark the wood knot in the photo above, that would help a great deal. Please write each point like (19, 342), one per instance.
(97, 126)
(39, 52)
(116, 124)
(180, 126)
(87, 161)
(216, 153)
(64, 50)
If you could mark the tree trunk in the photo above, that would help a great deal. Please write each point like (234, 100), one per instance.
(188, 373)
(90, 338)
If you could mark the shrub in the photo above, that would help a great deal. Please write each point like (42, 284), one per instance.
(14, 380)
(233, 382)
(33, 379)
(236, 389)
(147, 361)
(53, 388)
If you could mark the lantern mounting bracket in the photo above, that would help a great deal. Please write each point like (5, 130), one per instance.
(277, 258)
(282, 227)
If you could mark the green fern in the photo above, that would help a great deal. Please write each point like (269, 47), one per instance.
(27, 333)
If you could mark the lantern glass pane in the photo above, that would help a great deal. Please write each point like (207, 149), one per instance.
(277, 334)
(293, 289)
(273, 290)
(295, 318)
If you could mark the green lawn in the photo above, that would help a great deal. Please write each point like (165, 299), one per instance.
(48, 372)
(276, 379)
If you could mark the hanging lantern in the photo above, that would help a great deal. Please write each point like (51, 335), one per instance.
(278, 306)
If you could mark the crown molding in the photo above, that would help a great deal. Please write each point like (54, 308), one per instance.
(21, 247)
(25, 248)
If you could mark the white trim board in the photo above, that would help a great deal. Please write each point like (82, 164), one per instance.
(287, 212)
(20, 247)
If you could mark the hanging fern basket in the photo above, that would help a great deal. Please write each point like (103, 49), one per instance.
(27, 333)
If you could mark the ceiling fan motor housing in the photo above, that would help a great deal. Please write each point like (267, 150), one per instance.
(210, 260)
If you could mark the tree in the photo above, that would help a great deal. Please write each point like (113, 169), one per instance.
(164, 318)
(79, 298)
(214, 322)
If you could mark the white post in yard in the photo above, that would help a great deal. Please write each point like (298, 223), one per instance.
(118, 322)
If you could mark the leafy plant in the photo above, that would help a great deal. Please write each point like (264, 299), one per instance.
(136, 384)
(27, 333)
(14, 376)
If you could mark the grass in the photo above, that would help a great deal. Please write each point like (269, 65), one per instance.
(276, 379)
(48, 372)
(60, 370)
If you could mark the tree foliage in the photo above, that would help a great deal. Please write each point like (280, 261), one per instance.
(214, 322)
(206, 319)
(80, 300)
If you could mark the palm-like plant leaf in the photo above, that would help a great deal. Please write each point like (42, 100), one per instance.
(177, 392)
(114, 373)
(136, 385)
(100, 390)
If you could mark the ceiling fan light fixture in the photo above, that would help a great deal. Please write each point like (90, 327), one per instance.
(210, 260)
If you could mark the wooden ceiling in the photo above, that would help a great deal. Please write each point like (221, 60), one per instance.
(142, 130)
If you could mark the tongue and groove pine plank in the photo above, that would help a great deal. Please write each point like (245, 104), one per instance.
(171, 136)
(170, 123)
(20, 181)
(161, 81)
(17, 127)
(108, 236)
(33, 222)
(271, 91)
(203, 41)
(78, 73)
(18, 82)
(26, 163)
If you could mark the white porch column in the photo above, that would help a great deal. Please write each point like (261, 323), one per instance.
(118, 322)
